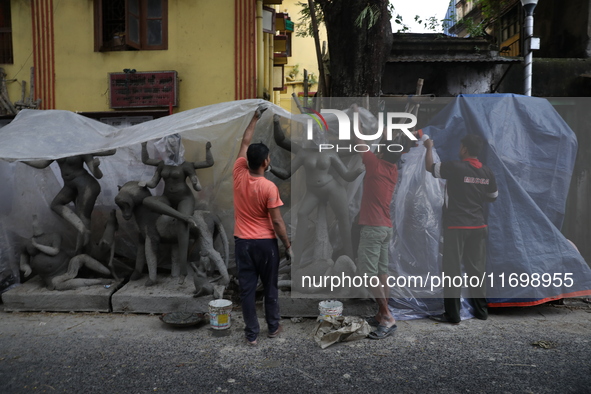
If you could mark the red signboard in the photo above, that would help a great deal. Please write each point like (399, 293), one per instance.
(143, 89)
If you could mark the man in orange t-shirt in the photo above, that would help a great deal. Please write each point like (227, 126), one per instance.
(257, 221)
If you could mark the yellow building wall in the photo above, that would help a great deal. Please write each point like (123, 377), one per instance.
(200, 49)
(22, 44)
(303, 55)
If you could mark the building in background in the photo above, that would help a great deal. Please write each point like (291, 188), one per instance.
(302, 58)
(119, 57)
(494, 64)
(502, 24)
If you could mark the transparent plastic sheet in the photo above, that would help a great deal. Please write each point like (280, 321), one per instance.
(54, 134)
(171, 150)
(533, 195)
(323, 258)
(532, 152)
(415, 249)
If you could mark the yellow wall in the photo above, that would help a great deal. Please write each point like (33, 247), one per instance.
(303, 54)
(22, 51)
(200, 49)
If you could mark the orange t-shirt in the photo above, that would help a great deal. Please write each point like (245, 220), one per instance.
(253, 197)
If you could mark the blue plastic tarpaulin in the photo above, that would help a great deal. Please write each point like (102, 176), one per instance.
(532, 152)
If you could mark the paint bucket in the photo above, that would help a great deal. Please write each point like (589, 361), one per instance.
(330, 308)
(219, 314)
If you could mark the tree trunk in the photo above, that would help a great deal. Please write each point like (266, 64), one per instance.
(357, 54)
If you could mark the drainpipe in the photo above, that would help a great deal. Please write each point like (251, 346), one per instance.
(260, 50)
(271, 61)
(266, 64)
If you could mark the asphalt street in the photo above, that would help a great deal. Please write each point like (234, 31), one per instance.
(541, 349)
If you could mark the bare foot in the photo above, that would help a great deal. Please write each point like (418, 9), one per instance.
(387, 321)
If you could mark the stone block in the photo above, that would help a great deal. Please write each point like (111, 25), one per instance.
(34, 296)
(167, 295)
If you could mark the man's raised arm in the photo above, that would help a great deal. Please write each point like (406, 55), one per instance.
(429, 155)
(249, 132)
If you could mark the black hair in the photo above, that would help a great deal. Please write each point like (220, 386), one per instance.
(394, 157)
(391, 157)
(256, 155)
(473, 143)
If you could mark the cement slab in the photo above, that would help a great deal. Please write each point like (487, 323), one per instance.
(167, 295)
(34, 296)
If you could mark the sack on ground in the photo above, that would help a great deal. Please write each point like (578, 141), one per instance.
(335, 329)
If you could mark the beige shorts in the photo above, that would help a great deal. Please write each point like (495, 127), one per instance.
(372, 254)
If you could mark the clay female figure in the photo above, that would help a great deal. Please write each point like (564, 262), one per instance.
(177, 200)
(43, 256)
(321, 187)
(80, 187)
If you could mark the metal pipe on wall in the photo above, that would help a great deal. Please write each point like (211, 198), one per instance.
(266, 63)
(271, 61)
(260, 50)
(529, 56)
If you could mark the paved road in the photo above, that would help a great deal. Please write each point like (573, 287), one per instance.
(113, 353)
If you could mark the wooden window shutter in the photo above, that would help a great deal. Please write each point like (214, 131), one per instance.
(133, 34)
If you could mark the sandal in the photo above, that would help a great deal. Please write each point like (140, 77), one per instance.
(382, 332)
(372, 321)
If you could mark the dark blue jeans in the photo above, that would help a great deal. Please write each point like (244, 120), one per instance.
(258, 258)
(465, 247)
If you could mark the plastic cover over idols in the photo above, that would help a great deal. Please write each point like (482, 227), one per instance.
(530, 149)
(53, 134)
(171, 150)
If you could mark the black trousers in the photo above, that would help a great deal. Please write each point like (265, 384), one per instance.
(258, 258)
(467, 246)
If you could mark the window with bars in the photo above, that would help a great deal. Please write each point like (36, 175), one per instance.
(5, 33)
(123, 25)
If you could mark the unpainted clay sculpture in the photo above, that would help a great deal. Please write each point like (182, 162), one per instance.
(43, 256)
(177, 200)
(104, 249)
(80, 187)
(321, 187)
(155, 229)
(208, 225)
(130, 200)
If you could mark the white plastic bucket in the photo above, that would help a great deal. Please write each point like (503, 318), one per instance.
(330, 308)
(219, 314)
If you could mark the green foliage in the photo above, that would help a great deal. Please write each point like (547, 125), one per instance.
(474, 29)
(295, 70)
(432, 23)
(402, 27)
(490, 10)
(304, 28)
(368, 16)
